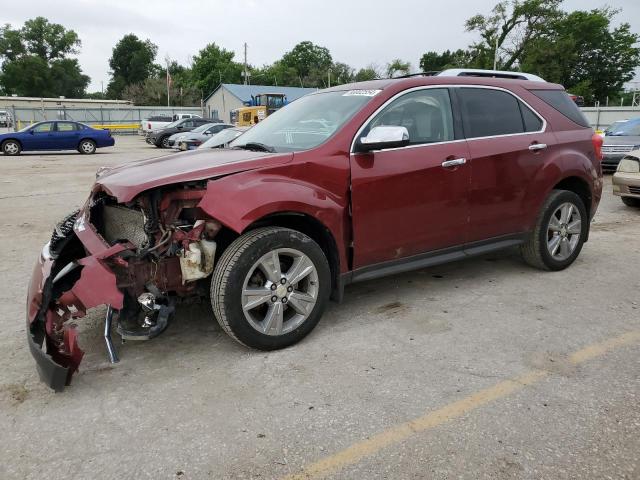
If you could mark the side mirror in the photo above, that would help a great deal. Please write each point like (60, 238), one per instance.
(387, 136)
(32, 131)
(179, 127)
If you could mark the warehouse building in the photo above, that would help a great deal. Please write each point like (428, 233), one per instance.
(229, 96)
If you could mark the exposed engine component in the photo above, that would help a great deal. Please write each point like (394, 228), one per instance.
(122, 223)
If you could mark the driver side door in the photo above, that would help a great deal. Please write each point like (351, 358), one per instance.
(39, 137)
(413, 199)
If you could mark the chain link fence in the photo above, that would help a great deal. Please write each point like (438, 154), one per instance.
(131, 117)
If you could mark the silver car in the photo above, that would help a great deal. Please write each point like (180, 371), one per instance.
(197, 135)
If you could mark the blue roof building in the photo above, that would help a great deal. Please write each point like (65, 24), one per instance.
(229, 96)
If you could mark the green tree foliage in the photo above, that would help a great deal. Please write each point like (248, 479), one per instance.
(434, 61)
(367, 73)
(582, 52)
(311, 63)
(214, 65)
(35, 60)
(398, 67)
(131, 62)
(513, 24)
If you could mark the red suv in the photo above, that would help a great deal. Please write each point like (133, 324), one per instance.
(343, 185)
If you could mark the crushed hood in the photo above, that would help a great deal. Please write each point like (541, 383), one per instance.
(128, 180)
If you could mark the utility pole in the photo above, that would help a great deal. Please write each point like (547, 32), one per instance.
(245, 73)
(166, 59)
(495, 53)
(329, 78)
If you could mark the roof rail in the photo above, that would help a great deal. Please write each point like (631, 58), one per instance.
(477, 72)
(418, 74)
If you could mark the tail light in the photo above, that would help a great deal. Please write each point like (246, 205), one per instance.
(148, 126)
(597, 145)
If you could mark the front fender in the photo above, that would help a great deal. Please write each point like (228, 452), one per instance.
(239, 200)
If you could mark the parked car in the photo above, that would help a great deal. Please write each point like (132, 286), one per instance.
(219, 140)
(343, 185)
(619, 142)
(160, 137)
(56, 135)
(577, 99)
(5, 119)
(159, 122)
(626, 180)
(611, 128)
(199, 134)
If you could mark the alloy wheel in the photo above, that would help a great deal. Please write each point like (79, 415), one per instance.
(280, 291)
(564, 231)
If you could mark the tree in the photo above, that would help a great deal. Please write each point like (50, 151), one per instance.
(310, 61)
(398, 66)
(214, 65)
(370, 72)
(132, 61)
(434, 61)
(35, 60)
(583, 53)
(341, 73)
(511, 25)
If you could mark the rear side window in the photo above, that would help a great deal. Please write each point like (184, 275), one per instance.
(489, 112)
(66, 127)
(532, 122)
(561, 101)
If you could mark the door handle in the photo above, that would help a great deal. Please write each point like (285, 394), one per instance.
(534, 147)
(454, 162)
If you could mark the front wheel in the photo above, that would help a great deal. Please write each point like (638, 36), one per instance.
(270, 288)
(164, 142)
(11, 147)
(87, 147)
(559, 233)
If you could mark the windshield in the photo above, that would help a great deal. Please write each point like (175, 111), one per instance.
(171, 125)
(24, 129)
(220, 138)
(307, 122)
(626, 129)
(201, 128)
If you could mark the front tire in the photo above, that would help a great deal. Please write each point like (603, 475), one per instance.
(270, 288)
(559, 233)
(87, 147)
(631, 201)
(164, 142)
(11, 147)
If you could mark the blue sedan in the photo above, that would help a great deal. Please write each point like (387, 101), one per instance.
(56, 135)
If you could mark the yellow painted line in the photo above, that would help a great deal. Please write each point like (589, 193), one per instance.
(399, 433)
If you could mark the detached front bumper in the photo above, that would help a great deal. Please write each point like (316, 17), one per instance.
(63, 287)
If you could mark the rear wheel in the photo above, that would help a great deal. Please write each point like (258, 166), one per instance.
(559, 233)
(11, 147)
(631, 201)
(164, 142)
(87, 147)
(270, 288)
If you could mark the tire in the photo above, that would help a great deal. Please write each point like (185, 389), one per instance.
(537, 250)
(87, 147)
(164, 142)
(240, 267)
(631, 201)
(11, 147)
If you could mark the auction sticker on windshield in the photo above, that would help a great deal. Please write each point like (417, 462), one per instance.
(361, 93)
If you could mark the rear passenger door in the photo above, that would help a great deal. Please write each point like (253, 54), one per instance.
(508, 145)
(66, 135)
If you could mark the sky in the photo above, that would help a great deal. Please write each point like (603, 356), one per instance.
(357, 32)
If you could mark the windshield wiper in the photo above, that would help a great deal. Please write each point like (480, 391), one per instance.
(256, 146)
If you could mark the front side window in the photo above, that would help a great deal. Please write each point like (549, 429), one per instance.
(426, 114)
(66, 127)
(306, 122)
(43, 127)
(487, 112)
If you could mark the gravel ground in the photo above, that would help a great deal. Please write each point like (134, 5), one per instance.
(194, 404)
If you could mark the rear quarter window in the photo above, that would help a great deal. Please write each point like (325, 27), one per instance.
(561, 101)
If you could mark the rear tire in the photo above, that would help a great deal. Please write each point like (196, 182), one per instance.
(11, 147)
(631, 201)
(559, 234)
(270, 308)
(164, 142)
(87, 147)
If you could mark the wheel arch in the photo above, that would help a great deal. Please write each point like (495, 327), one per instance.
(14, 139)
(580, 187)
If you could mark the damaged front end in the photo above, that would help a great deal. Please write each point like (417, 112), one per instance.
(137, 258)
